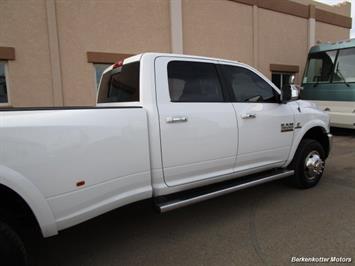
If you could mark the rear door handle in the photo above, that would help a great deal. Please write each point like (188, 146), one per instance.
(176, 119)
(248, 116)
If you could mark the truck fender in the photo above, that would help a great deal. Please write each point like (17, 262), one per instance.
(32, 196)
(300, 133)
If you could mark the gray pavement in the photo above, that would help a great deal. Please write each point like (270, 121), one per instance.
(265, 225)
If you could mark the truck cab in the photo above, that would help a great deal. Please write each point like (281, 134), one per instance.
(213, 119)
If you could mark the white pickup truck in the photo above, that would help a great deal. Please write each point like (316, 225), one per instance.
(175, 128)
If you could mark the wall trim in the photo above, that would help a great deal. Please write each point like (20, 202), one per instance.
(54, 53)
(255, 37)
(333, 19)
(311, 27)
(105, 58)
(286, 7)
(299, 10)
(284, 68)
(7, 53)
(312, 11)
(247, 2)
(176, 31)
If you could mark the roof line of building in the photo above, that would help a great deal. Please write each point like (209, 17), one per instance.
(299, 10)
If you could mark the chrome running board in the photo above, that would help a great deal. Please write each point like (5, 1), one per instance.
(178, 200)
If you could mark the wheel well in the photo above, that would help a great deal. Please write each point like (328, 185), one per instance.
(16, 212)
(319, 134)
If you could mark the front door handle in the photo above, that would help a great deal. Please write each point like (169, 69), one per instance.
(176, 119)
(248, 116)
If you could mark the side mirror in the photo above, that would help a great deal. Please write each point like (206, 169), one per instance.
(286, 93)
(295, 89)
(292, 79)
(295, 92)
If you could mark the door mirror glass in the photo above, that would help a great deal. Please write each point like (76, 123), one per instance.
(295, 92)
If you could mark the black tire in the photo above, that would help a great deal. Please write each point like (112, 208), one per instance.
(309, 153)
(12, 250)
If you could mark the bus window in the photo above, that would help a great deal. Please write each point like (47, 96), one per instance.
(345, 67)
(320, 66)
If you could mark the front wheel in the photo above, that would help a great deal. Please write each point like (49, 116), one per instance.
(308, 163)
(12, 250)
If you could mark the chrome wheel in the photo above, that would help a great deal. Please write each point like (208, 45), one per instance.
(313, 165)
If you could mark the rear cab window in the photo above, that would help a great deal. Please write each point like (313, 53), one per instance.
(120, 84)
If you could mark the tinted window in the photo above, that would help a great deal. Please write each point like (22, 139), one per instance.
(320, 67)
(122, 86)
(247, 86)
(193, 82)
(3, 88)
(345, 67)
(276, 78)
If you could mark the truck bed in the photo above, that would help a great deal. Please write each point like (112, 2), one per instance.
(78, 157)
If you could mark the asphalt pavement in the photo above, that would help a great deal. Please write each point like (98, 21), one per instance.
(264, 225)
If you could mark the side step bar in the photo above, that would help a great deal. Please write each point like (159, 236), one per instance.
(178, 200)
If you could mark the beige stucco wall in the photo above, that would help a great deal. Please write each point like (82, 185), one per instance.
(326, 32)
(23, 25)
(282, 40)
(215, 28)
(126, 26)
(221, 29)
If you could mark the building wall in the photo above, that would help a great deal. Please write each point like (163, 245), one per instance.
(52, 37)
(129, 26)
(222, 29)
(326, 32)
(23, 25)
(280, 42)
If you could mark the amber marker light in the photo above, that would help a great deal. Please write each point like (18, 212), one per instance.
(80, 183)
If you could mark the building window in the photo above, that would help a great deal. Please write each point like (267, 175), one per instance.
(281, 79)
(99, 69)
(102, 60)
(3, 83)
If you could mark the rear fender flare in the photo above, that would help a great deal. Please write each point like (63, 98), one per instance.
(33, 197)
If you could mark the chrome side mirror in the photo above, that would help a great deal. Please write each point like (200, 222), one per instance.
(295, 89)
(295, 92)
(292, 79)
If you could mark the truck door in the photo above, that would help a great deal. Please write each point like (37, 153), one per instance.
(265, 125)
(198, 129)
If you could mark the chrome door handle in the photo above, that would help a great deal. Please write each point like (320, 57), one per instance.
(248, 116)
(176, 119)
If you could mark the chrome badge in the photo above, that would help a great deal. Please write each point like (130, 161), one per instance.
(286, 127)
